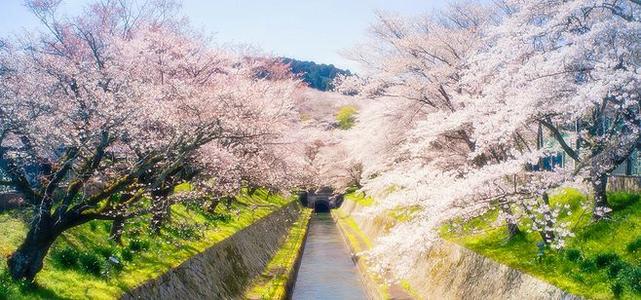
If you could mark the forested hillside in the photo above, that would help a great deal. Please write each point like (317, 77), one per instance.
(318, 76)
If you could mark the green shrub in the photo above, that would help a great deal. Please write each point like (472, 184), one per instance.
(66, 257)
(4, 291)
(5, 285)
(351, 189)
(617, 289)
(573, 255)
(222, 218)
(112, 265)
(621, 200)
(634, 245)
(115, 264)
(588, 266)
(138, 245)
(603, 260)
(633, 278)
(615, 268)
(106, 252)
(91, 263)
(126, 254)
(345, 117)
(93, 226)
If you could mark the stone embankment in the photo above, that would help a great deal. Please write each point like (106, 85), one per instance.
(227, 268)
(449, 271)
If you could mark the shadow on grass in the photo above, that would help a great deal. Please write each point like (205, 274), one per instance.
(12, 289)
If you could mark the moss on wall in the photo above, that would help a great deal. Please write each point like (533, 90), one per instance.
(278, 278)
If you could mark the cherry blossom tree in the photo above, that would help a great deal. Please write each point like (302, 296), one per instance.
(423, 60)
(104, 114)
(419, 64)
(480, 87)
(572, 68)
(451, 154)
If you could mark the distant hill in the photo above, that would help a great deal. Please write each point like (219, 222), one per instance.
(318, 76)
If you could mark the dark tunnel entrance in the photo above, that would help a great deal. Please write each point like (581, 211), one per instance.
(321, 206)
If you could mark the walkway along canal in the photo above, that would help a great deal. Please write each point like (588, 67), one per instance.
(326, 269)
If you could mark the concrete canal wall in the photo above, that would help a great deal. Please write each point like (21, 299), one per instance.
(449, 271)
(225, 270)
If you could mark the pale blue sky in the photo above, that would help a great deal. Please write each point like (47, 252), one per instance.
(302, 29)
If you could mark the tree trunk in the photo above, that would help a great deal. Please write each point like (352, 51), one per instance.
(512, 226)
(158, 218)
(601, 209)
(211, 206)
(161, 213)
(117, 226)
(548, 233)
(28, 259)
(228, 201)
(161, 210)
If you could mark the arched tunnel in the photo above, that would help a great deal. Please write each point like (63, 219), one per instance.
(321, 206)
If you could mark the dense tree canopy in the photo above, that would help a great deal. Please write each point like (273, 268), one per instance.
(455, 113)
(474, 93)
(104, 114)
(318, 76)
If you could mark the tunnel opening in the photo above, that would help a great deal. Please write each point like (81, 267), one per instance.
(321, 206)
(302, 197)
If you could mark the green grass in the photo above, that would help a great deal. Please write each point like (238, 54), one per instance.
(360, 242)
(392, 216)
(356, 237)
(272, 283)
(190, 231)
(597, 263)
(360, 198)
(403, 214)
(346, 116)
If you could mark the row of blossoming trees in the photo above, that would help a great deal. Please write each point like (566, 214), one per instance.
(470, 98)
(102, 115)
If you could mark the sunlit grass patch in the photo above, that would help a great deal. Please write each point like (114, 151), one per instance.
(142, 256)
(357, 238)
(601, 261)
(360, 198)
(403, 214)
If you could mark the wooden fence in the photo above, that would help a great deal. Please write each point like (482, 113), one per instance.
(624, 184)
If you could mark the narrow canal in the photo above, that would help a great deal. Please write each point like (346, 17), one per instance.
(327, 271)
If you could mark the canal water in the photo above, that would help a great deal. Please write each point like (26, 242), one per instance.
(326, 270)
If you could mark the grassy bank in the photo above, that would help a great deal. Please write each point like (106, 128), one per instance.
(272, 284)
(85, 264)
(359, 241)
(360, 198)
(602, 261)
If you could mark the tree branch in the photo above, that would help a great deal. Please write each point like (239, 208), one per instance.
(85, 172)
(557, 135)
(18, 178)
